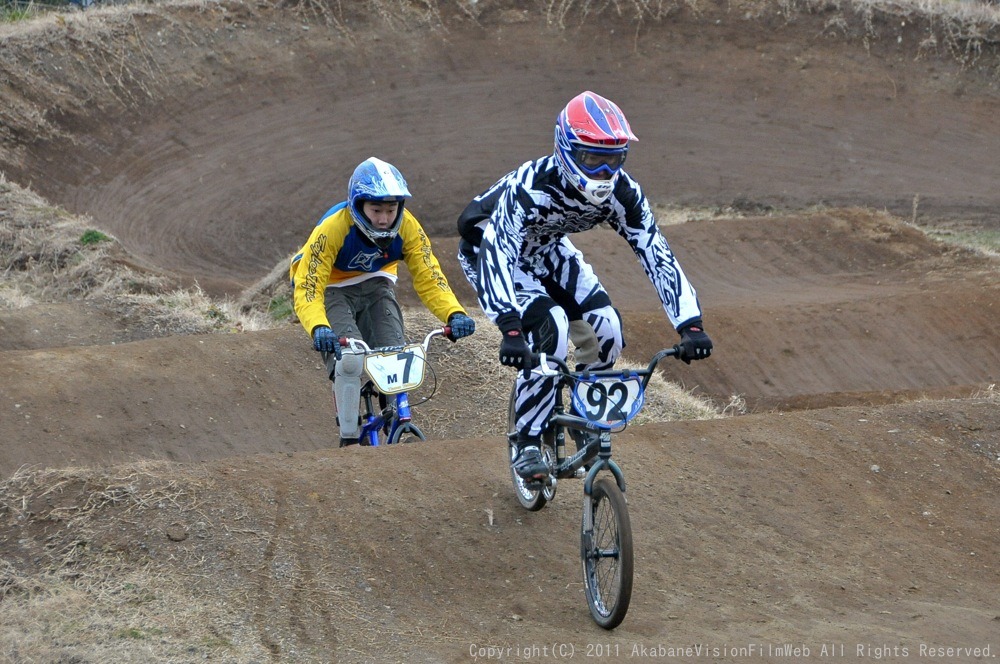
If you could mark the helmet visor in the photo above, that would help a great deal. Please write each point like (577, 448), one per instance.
(599, 161)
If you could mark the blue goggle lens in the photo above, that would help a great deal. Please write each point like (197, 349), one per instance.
(595, 161)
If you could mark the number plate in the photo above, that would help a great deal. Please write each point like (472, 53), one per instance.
(397, 371)
(608, 402)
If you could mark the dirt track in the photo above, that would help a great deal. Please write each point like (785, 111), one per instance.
(841, 512)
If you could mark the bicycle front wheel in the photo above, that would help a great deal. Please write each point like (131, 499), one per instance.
(606, 551)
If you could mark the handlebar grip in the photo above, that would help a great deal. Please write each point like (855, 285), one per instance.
(342, 341)
(447, 330)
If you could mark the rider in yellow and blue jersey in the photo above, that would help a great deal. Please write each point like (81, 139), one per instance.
(343, 279)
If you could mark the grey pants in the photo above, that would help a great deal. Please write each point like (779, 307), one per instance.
(366, 310)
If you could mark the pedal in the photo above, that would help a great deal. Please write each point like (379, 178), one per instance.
(538, 485)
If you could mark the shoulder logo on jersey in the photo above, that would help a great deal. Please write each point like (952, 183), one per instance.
(364, 261)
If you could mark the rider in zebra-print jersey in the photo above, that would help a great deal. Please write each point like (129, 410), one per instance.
(532, 282)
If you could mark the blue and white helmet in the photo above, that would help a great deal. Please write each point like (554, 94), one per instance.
(376, 180)
(592, 137)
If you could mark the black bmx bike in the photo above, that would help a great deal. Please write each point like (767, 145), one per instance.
(606, 401)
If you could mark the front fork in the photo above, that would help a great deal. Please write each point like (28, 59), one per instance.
(397, 416)
(604, 460)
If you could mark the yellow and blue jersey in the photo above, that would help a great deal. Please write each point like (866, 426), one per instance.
(338, 254)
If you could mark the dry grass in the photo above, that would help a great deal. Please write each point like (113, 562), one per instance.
(983, 241)
(131, 564)
(153, 562)
(87, 572)
(991, 394)
(110, 59)
(44, 257)
(48, 255)
(82, 581)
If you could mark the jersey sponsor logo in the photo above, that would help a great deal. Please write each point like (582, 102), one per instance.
(312, 280)
(363, 261)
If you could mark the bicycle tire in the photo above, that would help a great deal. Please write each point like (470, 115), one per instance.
(530, 499)
(607, 555)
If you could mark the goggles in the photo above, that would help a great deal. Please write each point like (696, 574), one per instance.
(597, 161)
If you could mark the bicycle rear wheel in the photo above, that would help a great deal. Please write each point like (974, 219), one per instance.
(606, 551)
(530, 499)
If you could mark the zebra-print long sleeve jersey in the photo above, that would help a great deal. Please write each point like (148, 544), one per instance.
(514, 222)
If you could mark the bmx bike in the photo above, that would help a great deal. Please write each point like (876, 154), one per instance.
(607, 400)
(391, 373)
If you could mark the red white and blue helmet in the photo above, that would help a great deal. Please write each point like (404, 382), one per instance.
(376, 180)
(592, 138)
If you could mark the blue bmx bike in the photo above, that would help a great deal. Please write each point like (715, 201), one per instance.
(390, 374)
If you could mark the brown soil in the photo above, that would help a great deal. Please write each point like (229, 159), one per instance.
(853, 508)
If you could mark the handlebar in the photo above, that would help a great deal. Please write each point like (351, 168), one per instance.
(562, 369)
(360, 345)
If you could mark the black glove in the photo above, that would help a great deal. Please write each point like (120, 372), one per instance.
(461, 326)
(325, 341)
(695, 344)
(514, 349)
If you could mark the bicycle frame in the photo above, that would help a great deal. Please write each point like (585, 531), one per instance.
(394, 418)
(397, 417)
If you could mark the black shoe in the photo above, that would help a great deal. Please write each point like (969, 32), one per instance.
(529, 463)
(344, 442)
